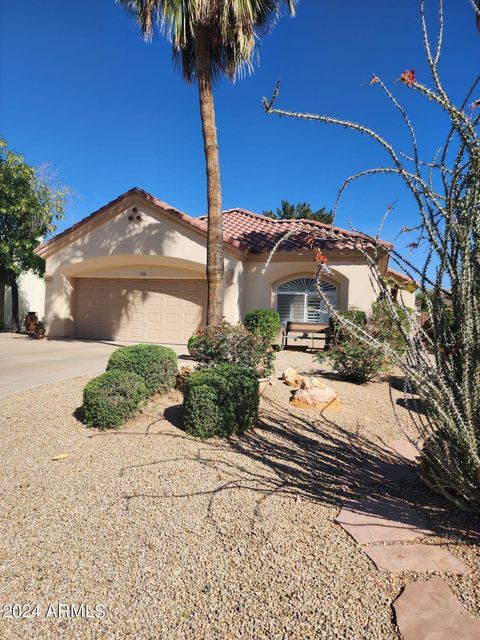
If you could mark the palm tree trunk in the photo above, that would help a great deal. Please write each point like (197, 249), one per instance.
(215, 250)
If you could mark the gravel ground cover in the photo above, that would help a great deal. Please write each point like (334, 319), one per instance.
(182, 539)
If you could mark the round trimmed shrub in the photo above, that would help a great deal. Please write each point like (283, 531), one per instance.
(220, 401)
(111, 398)
(263, 323)
(202, 416)
(156, 365)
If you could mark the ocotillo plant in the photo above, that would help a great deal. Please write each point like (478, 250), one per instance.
(442, 363)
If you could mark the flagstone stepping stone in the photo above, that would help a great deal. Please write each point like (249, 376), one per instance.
(430, 611)
(397, 469)
(415, 557)
(404, 449)
(380, 472)
(381, 519)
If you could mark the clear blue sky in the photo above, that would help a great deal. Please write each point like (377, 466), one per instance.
(82, 90)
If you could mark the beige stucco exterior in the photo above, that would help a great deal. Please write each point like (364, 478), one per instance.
(349, 273)
(406, 298)
(140, 240)
(31, 297)
(155, 246)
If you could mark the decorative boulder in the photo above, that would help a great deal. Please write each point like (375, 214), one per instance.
(310, 382)
(315, 398)
(292, 377)
(296, 381)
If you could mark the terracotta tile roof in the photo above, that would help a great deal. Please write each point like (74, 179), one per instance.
(259, 234)
(247, 231)
(398, 275)
(135, 191)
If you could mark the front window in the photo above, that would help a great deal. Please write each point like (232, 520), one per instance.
(298, 300)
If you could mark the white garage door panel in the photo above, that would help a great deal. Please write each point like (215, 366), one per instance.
(167, 311)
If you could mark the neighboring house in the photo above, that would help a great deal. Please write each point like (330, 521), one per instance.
(402, 288)
(135, 270)
(31, 297)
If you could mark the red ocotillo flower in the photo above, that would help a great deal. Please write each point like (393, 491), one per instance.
(408, 77)
(319, 257)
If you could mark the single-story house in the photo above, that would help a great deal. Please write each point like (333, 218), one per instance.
(135, 271)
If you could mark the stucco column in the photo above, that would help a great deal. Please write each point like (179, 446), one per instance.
(59, 302)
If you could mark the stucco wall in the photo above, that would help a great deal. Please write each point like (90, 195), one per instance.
(350, 274)
(31, 297)
(406, 298)
(156, 246)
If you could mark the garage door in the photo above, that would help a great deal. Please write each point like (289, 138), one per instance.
(165, 311)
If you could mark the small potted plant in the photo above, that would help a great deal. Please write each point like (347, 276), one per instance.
(31, 320)
(39, 330)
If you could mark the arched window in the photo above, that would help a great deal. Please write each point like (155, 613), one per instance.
(298, 300)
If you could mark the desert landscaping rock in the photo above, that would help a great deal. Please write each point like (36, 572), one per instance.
(312, 382)
(183, 539)
(430, 611)
(422, 558)
(381, 519)
(315, 398)
(287, 373)
(295, 381)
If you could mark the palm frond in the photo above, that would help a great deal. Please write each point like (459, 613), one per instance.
(234, 27)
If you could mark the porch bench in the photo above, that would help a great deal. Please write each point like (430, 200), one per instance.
(307, 330)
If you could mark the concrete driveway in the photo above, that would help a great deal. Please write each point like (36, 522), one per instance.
(26, 363)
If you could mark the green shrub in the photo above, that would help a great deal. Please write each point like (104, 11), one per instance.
(155, 364)
(263, 323)
(356, 316)
(111, 398)
(220, 401)
(352, 359)
(194, 341)
(233, 344)
(383, 327)
(338, 332)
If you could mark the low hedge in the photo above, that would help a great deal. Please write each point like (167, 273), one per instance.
(264, 323)
(156, 365)
(111, 398)
(220, 401)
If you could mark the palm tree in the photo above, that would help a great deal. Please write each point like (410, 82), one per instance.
(210, 38)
